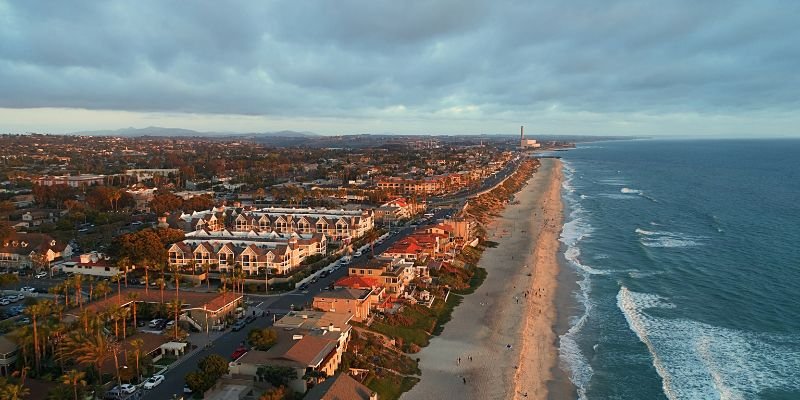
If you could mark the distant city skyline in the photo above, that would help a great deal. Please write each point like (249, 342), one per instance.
(708, 69)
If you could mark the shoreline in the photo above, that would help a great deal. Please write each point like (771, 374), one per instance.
(478, 353)
(539, 352)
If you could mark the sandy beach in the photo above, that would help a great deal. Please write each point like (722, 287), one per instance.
(500, 343)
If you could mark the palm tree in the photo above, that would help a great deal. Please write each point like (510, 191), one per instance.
(123, 264)
(56, 290)
(118, 280)
(55, 331)
(123, 313)
(85, 316)
(137, 352)
(88, 349)
(175, 306)
(146, 279)
(91, 281)
(74, 378)
(77, 280)
(36, 311)
(193, 266)
(207, 269)
(103, 289)
(113, 313)
(161, 283)
(132, 297)
(24, 338)
(12, 391)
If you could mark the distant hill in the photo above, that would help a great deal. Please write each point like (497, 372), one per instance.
(178, 132)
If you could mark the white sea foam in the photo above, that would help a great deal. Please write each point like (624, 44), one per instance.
(631, 191)
(574, 230)
(618, 196)
(668, 239)
(667, 242)
(700, 361)
(613, 181)
(639, 274)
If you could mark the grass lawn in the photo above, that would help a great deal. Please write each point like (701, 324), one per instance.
(390, 386)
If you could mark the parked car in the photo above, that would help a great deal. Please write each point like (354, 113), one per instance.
(154, 323)
(187, 389)
(357, 254)
(4, 302)
(28, 289)
(125, 388)
(239, 325)
(250, 318)
(238, 352)
(41, 275)
(153, 381)
(16, 297)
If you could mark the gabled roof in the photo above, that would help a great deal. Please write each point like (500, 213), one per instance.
(26, 243)
(340, 387)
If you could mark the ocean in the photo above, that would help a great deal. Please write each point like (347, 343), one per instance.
(687, 256)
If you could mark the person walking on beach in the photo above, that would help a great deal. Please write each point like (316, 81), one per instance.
(465, 380)
(459, 360)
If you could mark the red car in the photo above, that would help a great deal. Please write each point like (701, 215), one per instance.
(238, 353)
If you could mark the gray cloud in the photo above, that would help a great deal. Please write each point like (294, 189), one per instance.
(417, 58)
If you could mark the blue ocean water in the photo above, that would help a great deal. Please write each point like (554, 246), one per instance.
(687, 255)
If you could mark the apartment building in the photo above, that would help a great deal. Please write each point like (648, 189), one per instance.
(253, 251)
(336, 225)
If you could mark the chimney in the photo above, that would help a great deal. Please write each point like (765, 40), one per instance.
(521, 132)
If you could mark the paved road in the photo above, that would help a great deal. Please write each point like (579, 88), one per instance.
(460, 197)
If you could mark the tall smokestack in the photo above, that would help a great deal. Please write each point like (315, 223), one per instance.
(521, 132)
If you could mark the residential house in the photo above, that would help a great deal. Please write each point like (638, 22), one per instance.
(394, 274)
(377, 294)
(351, 301)
(24, 250)
(341, 387)
(312, 343)
(93, 263)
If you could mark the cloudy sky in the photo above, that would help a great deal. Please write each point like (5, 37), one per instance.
(445, 66)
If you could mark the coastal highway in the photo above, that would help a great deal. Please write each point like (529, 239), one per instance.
(276, 305)
(460, 197)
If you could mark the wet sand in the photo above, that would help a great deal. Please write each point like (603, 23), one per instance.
(500, 343)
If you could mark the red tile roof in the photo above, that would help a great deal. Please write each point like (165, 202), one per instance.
(360, 282)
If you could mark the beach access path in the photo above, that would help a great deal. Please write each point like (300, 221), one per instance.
(498, 345)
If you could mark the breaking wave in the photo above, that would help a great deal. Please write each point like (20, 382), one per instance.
(700, 361)
(668, 239)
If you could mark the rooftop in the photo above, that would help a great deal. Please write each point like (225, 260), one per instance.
(345, 293)
(340, 387)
